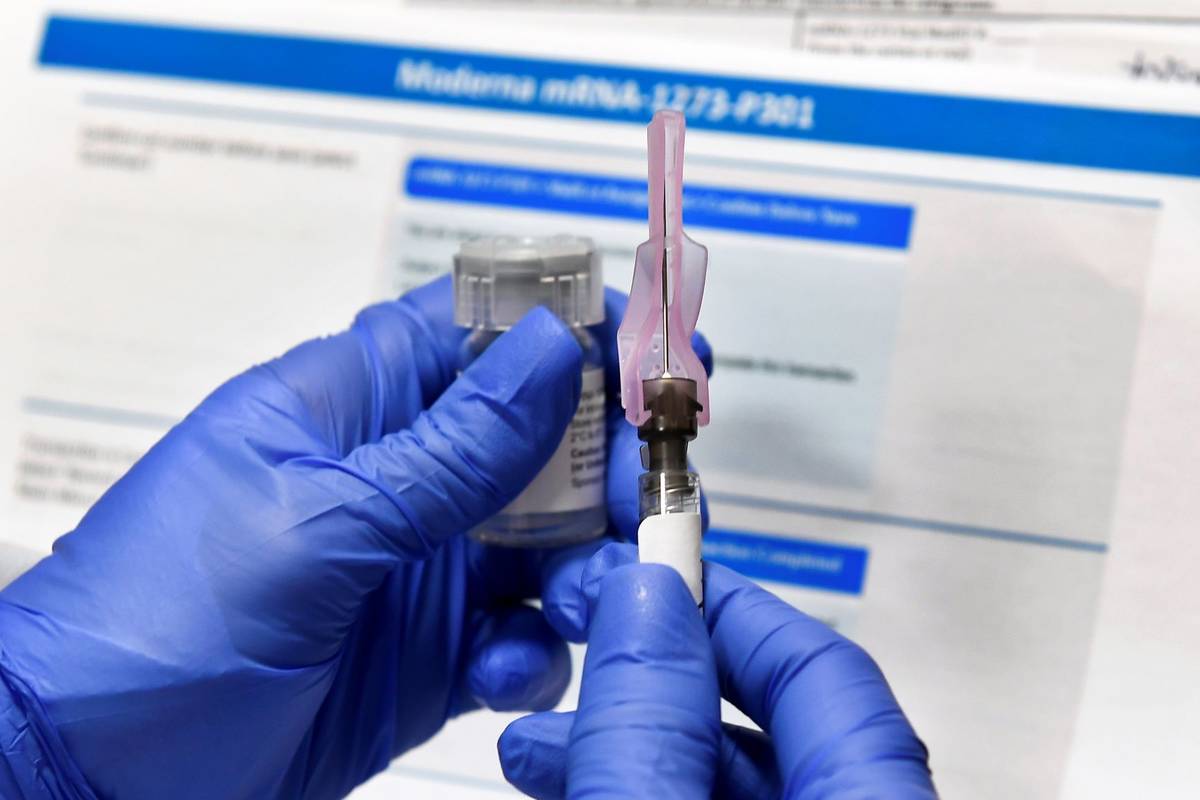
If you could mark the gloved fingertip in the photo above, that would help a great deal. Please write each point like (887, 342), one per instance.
(615, 302)
(649, 699)
(652, 589)
(568, 616)
(703, 351)
(563, 603)
(542, 331)
(539, 353)
(523, 665)
(621, 490)
(437, 295)
(465, 458)
(533, 754)
(607, 559)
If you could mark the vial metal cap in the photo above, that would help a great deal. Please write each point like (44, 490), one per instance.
(499, 279)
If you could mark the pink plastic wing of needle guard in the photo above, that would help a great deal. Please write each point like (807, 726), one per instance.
(640, 336)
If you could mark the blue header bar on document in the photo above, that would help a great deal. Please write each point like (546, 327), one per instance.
(1068, 135)
(798, 562)
(739, 210)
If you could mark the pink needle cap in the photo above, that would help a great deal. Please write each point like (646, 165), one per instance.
(668, 283)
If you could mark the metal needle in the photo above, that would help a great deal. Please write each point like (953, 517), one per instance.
(666, 340)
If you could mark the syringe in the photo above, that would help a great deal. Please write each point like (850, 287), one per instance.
(664, 387)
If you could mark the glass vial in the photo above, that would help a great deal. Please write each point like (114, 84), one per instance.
(497, 280)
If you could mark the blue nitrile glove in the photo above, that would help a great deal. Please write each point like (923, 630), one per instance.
(833, 727)
(276, 600)
(649, 716)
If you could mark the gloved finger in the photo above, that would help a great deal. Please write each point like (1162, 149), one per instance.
(500, 576)
(648, 722)
(703, 351)
(506, 575)
(518, 663)
(748, 769)
(563, 605)
(822, 699)
(533, 755)
(395, 360)
(731, 591)
(605, 561)
(824, 702)
(572, 589)
(621, 479)
(467, 457)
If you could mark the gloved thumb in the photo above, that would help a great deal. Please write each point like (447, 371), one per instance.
(473, 451)
(648, 723)
(353, 521)
(534, 753)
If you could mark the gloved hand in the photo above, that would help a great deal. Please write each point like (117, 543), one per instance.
(648, 717)
(276, 600)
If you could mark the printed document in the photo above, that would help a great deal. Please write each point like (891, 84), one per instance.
(1145, 42)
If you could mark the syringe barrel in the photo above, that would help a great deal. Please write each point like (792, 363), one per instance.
(669, 492)
(671, 527)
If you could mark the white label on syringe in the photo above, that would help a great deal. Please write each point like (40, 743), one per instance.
(674, 540)
(573, 479)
